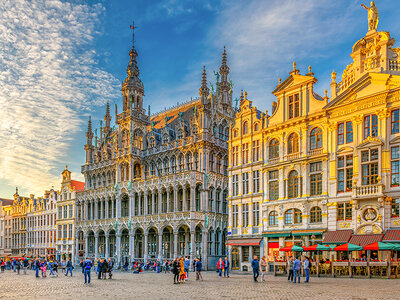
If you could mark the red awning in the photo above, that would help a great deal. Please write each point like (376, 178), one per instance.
(365, 239)
(337, 237)
(392, 235)
(244, 242)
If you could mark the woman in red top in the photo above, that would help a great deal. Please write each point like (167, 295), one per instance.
(220, 267)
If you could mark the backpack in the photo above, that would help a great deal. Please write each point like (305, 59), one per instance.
(309, 264)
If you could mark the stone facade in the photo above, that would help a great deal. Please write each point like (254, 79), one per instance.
(156, 185)
(65, 220)
(5, 226)
(327, 164)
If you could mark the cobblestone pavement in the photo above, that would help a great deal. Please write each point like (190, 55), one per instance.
(160, 286)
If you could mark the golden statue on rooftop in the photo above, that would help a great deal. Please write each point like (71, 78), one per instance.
(373, 16)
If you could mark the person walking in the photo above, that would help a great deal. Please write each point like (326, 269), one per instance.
(307, 266)
(50, 265)
(87, 265)
(186, 267)
(37, 268)
(263, 265)
(296, 269)
(25, 264)
(158, 266)
(255, 264)
(175, 270)
(290, 268)
(18, 266)
(182, 270)
(98, 268)
(198, 267)
(43, 267)
(220, 267)
(104, 268)
(3, 264)
(69, 267)
(110, 268)
(55, 268)
(226, 267)
(81, 264)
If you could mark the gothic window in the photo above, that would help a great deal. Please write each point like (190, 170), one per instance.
(293, 143)
(166, 166)
(316, 138)
(152, 142)
(165, 139)
(152, 169)
(173, 164)
(181, 162)
(189, 161)
(221, 132)
(211, 162)
(180, 134)
(226, 166)
(196, 161)
(218, 164)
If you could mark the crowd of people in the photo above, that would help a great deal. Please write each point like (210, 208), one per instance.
(180, 267)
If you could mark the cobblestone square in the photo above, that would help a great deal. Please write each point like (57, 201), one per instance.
(160, 286)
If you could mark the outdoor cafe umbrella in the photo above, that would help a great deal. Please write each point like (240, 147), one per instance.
(348, 247)
(379, 246)
(318, 247)
(293, 248)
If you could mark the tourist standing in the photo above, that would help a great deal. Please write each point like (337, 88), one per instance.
(175, 270)
(98, 269)
(14, 263)
(182, 270)
(226, 267)
(290, 268)
(87, 265)
(198, 267)
(296, 269)
(43, 267)
(255, 264)
(263, 265)
(306, 266)
(186, 267)
(50, 265)
(220, 267)
(37, 267)
(3, 264)
(104, 268)
(110, 268)
(158, 266)
(25, 264)
(55, 268)
(69, 267)
(18, 266)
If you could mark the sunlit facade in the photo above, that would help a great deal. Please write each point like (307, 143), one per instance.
(156, 184)
(327, 164)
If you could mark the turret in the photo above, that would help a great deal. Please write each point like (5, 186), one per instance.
(107, 119)
(89, 145)
(204, 90)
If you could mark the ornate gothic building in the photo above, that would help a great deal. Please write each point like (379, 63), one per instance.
(156, 185)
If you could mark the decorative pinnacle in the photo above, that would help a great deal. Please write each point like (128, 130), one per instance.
(333, 76)
(108, 108)
(224, 56)
(90, 124)
(204, 78)
(241, 96)
(245, 95)
(280, 80)
(326, 94)
(309, 69)
(294, 66)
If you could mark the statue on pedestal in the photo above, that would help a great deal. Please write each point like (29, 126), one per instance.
(373, 16)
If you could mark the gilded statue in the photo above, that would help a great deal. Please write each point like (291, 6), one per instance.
(373, 16)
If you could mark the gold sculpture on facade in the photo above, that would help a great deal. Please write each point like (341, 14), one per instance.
(373, 16)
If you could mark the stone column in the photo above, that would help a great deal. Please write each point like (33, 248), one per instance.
(175, 244)
(159, 202)
(146, 246)
(153, 200)
(167, 200)
(117, 207)
(204, 240)
(86, 210)
(86, 244)
(214, 201)
(186, 243)
(193, 244)
(159, 246)
(92, 212)
(184, 207)
(96, 244)
(96, 209)
(192, 197)
(77, 248)
(102, 209)
(146, 204)
(131, 211)
(118, 247)
(107, 252)
(132, 245)
(175, 198)
(106, 216)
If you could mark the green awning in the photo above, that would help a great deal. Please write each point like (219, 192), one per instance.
(277, 234)
(306, 233)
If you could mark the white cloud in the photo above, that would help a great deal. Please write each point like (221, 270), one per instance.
(48, 80)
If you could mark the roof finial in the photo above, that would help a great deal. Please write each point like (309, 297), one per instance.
(333, 76)
(133, 27)
(245, 95)
(90, 124)
(280, 80)
(294, 66)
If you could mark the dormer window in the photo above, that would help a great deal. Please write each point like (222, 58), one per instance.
(294, 106)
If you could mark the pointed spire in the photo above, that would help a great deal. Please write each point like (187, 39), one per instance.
(241, 97)
(224, 71)
(108, 108)
(294, 71)
(90, 124)
(204, 77)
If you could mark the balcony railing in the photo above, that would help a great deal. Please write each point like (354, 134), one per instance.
(367, 190)
(315, 152)
(293, 156)
(272, 161)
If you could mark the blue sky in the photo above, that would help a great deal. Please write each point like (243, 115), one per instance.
(60, 61)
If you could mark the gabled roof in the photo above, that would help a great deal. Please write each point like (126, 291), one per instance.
(293, 79)
(77, 185)
(5, 202)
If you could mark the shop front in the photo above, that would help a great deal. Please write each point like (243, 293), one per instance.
(242, 252)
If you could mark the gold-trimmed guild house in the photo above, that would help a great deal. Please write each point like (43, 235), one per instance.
(327, 164)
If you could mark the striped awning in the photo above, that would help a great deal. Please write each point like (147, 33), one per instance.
(365, 239)
(244, 242)
(277, 234)
(392, 235)
(337, 237)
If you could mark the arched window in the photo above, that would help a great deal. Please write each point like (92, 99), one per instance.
(293, 143)
(273, 218)
(256, 127)
(180, 134)
(152, 142)
(293, 216)
(274, 149)
(316, 138)
(189, 161)
(245, 128)
(293, 185)
(235, 133)
(315, 215)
